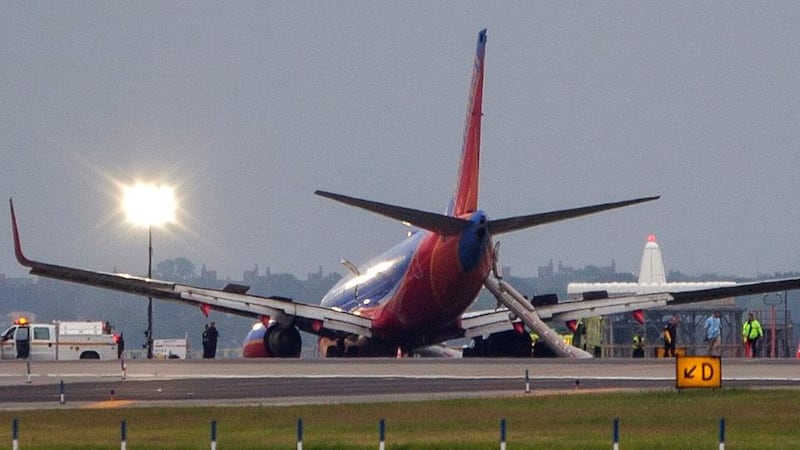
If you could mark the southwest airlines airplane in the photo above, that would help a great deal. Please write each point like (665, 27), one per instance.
(414, 296)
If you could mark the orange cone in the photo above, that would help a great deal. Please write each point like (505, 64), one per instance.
(798, 350)
(399, 352)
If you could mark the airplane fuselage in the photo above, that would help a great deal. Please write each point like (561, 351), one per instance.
(419, 287)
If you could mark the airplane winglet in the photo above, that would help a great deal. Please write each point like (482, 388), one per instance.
(17, 246)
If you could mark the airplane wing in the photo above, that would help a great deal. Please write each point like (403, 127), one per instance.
(573, 310)
(480, 323)
(538, 318)
(486, 322)
(233, 299)
(756, 287)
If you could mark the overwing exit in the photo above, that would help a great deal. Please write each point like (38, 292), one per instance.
(414, 295)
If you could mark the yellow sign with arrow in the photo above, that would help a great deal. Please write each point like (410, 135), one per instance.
(698, 372)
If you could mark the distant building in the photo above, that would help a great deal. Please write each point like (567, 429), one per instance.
(311, 276)
(206, 274)
(250, 276)
(546, 271)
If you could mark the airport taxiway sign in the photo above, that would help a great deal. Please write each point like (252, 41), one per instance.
(698, 372)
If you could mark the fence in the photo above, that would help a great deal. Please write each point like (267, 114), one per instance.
(381, 441)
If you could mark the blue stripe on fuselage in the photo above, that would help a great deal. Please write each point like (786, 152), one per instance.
(473, 241)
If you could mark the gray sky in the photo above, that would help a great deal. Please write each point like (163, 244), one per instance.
(248, 107)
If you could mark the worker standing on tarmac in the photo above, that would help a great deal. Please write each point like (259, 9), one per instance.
(670, 334)
(714, 334)
(638, 345)
(751, 333)
(206, 342)
(213, 335)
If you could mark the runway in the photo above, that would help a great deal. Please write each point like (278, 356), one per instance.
(282, 382)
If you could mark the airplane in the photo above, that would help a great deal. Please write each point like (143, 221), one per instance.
(414, 296)
(652, 278)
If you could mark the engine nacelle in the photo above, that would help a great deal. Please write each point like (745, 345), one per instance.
(354, 346)
(273, 341)
(510, 343)
(284, 342)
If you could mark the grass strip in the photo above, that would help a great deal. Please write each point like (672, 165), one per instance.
(654, 420)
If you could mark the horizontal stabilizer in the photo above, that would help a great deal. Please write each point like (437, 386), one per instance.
(501, 226)
(437, 223)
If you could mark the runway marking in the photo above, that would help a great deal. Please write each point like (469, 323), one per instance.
(109, 404)
(167, 377)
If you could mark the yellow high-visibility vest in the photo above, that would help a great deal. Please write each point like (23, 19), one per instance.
(752, 330)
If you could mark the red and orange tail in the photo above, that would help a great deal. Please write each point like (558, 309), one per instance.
(465, 198)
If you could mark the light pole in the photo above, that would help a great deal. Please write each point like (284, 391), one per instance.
(149, 205)
(789, 333)
(150, 299)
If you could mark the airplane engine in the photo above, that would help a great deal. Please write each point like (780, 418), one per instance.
(511, 343)
(273, 341)
(283, 342)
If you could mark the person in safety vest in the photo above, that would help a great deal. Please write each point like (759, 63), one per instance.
(670, 334)
(751, 333)
(638, 345)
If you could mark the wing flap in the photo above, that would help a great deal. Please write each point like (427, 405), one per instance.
(563, 312)
(481, 323)
(276, 308)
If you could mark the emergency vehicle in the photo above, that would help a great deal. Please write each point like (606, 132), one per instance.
(59, 341)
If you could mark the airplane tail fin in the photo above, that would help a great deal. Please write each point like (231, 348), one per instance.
(651, 270)
(465, 197)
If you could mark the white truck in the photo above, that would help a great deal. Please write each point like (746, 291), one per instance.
(171, 348)
(59, 341)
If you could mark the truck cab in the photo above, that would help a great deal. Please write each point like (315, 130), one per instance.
(17, 341)
(57, 341)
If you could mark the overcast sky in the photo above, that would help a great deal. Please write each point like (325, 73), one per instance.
(248, 107)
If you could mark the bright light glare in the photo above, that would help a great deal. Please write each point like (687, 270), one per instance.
(372, 272)
(149, 204)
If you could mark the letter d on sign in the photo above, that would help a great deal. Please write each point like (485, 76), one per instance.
(698, 372)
